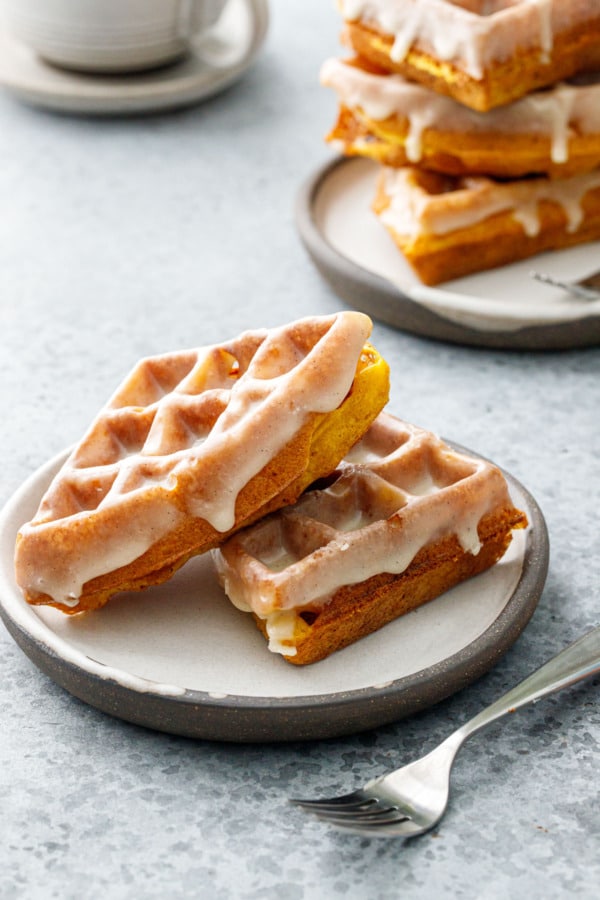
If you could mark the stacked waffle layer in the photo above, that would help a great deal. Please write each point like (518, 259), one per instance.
(402, 520)
(475, 91)
(193, 446)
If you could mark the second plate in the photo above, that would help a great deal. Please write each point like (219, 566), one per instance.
(180, 658)
(502, 308)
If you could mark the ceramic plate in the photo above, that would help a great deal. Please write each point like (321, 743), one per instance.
(180, 658)
(168, 87)
(501, 308)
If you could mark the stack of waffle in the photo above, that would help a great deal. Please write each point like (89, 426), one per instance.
(327, 518)
(485, 118)
(191, 447)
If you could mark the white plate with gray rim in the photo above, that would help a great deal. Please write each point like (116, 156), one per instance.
(502, 308)
(180, 658)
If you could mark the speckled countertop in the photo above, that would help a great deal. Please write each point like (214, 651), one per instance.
(122, 238)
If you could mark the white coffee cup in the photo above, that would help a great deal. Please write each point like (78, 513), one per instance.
(109, 36)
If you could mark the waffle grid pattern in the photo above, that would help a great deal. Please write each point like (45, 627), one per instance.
(399, 489)
(167, 406)
(192, 446)
(176, 412)
(484, 54)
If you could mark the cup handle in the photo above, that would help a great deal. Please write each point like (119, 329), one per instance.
(237, 35)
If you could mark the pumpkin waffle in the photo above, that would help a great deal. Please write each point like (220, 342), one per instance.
(396, 122)
(403, 519)
(484, 53)
(448, 227)
(191, 447)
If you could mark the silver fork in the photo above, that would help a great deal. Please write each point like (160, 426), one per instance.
(586, 288)
(411, 800)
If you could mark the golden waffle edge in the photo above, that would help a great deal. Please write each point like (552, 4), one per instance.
(404, 519)
(167, 468)
(448, 227)
(484, 53)
(395, 122)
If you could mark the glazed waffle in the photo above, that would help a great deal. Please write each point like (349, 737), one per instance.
(396, 122)
(194, 445)
(404, 519)
(484, 53)
(449, 227)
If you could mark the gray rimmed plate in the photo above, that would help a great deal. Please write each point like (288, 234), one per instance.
(503, 308)
(180, 658)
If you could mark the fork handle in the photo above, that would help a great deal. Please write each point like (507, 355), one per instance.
(577, 661)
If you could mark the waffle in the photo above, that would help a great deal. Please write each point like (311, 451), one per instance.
(448, 227)
(191, 447)
(404, 519)
(397, 122)
(484, 53)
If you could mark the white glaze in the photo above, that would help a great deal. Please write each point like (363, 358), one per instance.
(281, 626)
(64, 579)
(555, 113)
(442, 494)
(58, 553)
(414, 211)
(469, 33)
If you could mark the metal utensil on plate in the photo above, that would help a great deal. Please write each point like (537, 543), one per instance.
(411, 800)
(587, 288)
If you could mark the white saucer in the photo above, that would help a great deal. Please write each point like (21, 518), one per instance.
(503, 307)
(181, 84)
